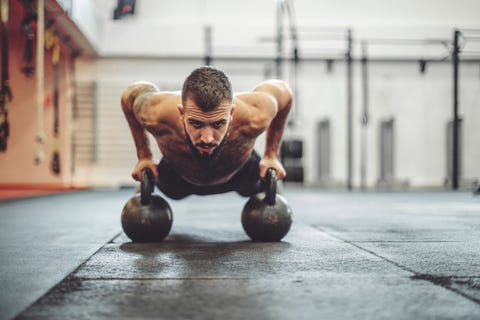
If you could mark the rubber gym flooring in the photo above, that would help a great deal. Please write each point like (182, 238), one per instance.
(348, 256)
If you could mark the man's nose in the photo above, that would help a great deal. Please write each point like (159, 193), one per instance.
(206, 135)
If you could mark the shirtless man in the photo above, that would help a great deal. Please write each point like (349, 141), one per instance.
(206, 135)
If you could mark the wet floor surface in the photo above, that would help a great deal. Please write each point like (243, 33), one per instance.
(347, 256)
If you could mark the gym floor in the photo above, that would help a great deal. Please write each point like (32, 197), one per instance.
(348, 256)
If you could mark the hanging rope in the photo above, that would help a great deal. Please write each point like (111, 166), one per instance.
(40, 74)
(28, 28)
(5, 93)
(52, 42)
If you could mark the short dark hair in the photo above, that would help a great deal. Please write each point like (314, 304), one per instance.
(208, 87)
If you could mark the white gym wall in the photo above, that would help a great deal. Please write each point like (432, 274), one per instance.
(165, 40)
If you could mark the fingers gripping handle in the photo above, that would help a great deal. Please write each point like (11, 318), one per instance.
(271, 186)
(146, 188)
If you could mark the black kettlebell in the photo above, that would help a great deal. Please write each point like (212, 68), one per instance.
(147, 217)
(266, 216)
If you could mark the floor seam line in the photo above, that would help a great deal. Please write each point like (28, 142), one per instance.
(416, 275)
(68, 276)
(157, 278)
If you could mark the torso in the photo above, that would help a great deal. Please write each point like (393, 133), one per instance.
(231, 156)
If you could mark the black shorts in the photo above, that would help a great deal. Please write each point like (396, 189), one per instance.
(246, 181)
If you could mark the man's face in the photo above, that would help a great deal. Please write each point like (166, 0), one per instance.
(205, 130)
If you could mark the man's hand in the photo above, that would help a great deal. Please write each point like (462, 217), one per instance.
(274, 163)
(142, 164)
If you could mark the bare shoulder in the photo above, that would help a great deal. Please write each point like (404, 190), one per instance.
(141, 92)
(272, 85)
(135, 90)
(278, 89)
(267, 96)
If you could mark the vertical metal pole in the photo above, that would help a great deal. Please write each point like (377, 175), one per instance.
(290, 12)
(455, 147)
(349, 110)
(279, 58)
(208, 45)
(363, 150)
(296, 110)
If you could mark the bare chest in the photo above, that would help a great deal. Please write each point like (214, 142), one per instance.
(230, 157)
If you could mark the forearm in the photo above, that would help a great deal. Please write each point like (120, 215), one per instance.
(275, 131)
(140, 138)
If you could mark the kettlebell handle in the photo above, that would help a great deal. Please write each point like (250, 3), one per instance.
(146, 187)
(271, 186)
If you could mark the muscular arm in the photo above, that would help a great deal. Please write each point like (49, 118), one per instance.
(282, 95)
(133, 102)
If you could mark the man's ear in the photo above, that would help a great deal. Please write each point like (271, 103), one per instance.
(181, 110)
(232, 108)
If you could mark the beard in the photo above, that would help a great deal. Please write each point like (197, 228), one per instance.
(205, 157)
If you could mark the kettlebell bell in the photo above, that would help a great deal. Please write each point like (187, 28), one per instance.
(146, 217)
(267, 217)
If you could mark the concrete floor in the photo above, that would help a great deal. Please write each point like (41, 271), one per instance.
(347, 256)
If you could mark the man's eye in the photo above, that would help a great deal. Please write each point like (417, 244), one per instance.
(218, 125)
(195, 124)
